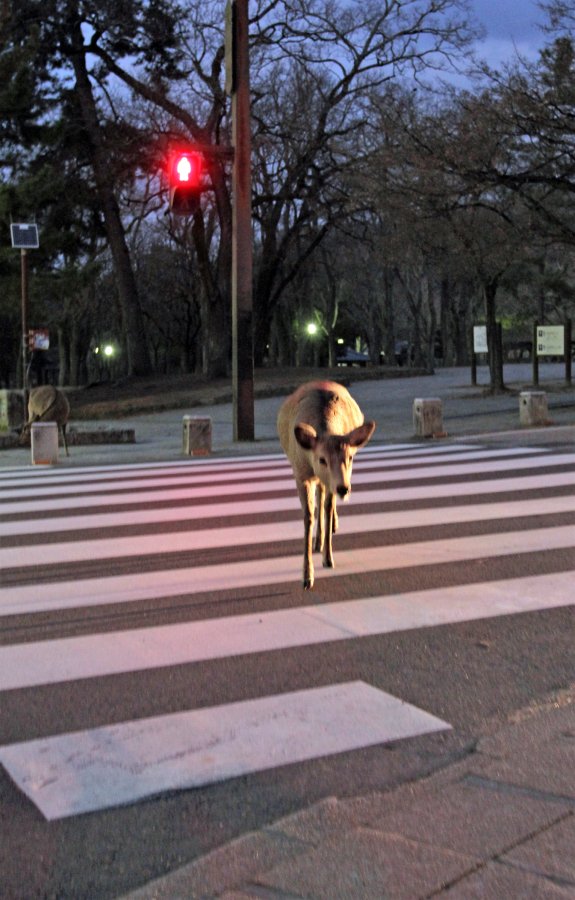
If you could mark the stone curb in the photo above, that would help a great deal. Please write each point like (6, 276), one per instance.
(519, 820)
(77, 437)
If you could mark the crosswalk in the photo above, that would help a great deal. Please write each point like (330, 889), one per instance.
(108, 571)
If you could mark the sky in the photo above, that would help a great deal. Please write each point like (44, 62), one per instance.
(511, 26)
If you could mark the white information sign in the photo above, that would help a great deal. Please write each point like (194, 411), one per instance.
(550, 340)
(480, 338)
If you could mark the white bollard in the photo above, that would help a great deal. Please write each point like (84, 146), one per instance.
(44, 443)
(197, 436)
(427, 417)
(533, 408)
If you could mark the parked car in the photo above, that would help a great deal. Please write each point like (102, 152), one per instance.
(351, 357)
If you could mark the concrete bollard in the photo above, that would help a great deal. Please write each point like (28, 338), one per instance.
(427, 417)
(533, 408)
(44, 443)
(197, 436)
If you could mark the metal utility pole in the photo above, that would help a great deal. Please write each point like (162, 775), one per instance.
(24, 283)
(238, 85)
(24, 237)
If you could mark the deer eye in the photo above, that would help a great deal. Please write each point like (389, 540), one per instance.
(323, 461)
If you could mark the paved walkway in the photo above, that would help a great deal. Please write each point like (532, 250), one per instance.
(467, 412)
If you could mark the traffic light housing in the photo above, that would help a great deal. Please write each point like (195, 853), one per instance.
(185, 176)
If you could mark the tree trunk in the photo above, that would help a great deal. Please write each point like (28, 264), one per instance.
(215, 309)
(388, 314)
(375, 335)
(132, 319)
(63, 357)
(493, 338)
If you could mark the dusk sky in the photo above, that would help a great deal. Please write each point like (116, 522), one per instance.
(511, 25)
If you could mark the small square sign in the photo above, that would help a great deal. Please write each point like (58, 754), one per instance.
(551, 340)
(39, 339)
(24, 235)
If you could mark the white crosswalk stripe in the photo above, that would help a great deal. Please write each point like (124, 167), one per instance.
(109, 548)
(128, 539)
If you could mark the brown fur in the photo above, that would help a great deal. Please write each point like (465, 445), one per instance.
(321, 427)
(47, 404)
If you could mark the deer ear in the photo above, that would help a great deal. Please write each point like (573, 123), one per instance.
(306, 436)
(360, 435)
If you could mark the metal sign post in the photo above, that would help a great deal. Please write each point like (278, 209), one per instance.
(24, 237)
(24, 281)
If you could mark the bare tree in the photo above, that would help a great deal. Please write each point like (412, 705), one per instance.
(313, 62)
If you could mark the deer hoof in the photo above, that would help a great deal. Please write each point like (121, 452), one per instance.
(328, 564)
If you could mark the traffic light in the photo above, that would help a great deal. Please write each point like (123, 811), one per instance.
(185, 174)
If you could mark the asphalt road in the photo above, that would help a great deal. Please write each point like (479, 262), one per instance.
(132, 594)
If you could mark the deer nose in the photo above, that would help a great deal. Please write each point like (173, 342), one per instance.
(343, 491)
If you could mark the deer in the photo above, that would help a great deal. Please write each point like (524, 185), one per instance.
(321, 427)
(47, 404)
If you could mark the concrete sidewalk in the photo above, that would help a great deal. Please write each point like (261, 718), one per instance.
(498, 824)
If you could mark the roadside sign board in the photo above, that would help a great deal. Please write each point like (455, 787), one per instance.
(550, 340)
(39, 339)
(480, 339)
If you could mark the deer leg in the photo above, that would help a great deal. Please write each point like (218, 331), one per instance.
(330, 515)
(307, 500)
(320, 527)
(63, 427)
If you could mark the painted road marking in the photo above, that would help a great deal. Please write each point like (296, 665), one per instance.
(184, 512)
(372, 495)
(245, 535)
(77, 593)
(142, 649)
(186, 473)
(118, 764)
(26, 473)
(197, 489)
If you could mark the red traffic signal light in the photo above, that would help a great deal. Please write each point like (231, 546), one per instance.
(185, 174)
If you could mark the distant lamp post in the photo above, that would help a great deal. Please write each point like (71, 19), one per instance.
(105, 357)
(313, 331)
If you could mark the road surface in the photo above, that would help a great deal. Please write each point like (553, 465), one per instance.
(166, 684)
